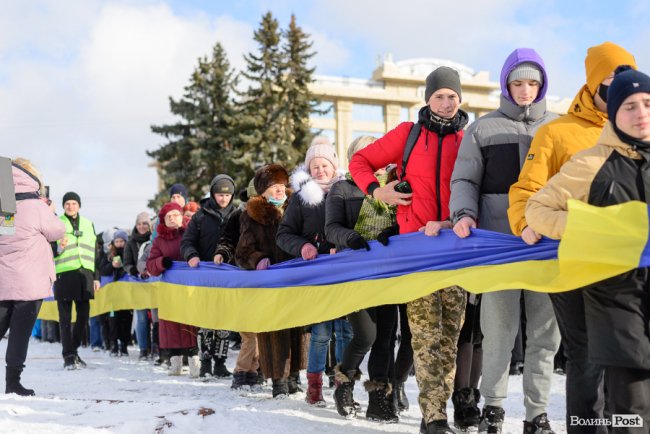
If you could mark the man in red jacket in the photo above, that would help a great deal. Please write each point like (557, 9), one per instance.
(435, 320)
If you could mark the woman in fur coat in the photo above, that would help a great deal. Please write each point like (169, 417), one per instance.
(282, 352)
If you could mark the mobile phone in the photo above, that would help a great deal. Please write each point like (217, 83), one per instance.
(403, 187)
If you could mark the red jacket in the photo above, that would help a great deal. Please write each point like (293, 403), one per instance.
(428, 170)
(168, 244)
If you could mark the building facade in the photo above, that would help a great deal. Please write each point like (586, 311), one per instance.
(352, 107)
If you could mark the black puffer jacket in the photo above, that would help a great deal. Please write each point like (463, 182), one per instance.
(106, 267)
(230, 237)
(204, 230)
(342, 208)
(304, 220)
(132, 249)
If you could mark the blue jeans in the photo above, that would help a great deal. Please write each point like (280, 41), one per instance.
(96, 332)
(142, 329)
(321, 334)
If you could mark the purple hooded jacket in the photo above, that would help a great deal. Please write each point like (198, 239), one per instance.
(516, 58)
(26, 262)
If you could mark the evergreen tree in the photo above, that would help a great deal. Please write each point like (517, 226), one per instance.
(264, 125)
(299, 101)
(199, 145)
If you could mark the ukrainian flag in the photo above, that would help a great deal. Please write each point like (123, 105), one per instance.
(598, 243)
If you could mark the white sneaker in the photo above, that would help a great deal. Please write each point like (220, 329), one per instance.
(175, 365)
(194, 364)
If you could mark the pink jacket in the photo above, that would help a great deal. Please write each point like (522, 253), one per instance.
(26, 262)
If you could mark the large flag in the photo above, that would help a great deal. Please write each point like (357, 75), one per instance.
(598, 243)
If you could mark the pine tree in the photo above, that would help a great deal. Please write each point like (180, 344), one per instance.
(300, 102)
(199, 145)
(264, 125)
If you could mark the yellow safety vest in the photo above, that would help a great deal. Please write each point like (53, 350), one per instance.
(80, 251)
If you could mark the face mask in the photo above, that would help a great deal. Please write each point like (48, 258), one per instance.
(602, 92)
(277, 202)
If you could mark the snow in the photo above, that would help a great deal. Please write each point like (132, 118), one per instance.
(123, 395)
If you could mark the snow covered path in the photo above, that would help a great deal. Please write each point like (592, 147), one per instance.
(122, 395)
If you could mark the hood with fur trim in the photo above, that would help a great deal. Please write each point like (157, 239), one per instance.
(306, 187)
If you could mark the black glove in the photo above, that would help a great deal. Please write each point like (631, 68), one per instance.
(356, 242)
(386, 233)
(167, 262)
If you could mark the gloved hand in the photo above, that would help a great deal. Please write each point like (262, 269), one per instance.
(263, 264)
(308, 251)
(167, 262)
(386, 233)
(356, 242)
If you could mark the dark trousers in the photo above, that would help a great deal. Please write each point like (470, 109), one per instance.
(119, 326)
(628, 392)
(404, 358)
(71, 336)
(19, 317)
(585, 397)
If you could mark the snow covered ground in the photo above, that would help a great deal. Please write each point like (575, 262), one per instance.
(122, 395)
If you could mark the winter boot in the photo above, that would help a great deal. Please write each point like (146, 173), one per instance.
(240, 381)
(491, 420)
(436, 427)
(466, 412)
(343, 393)
(79, 362)
(280, 388)
(539, 425)
(206, 368)
(13, 382)
(115, 352)
(144, 355)
(69, 362)
(401, 398)
(124, 352)
(175, 365)
(477, 396)
(315, 389)
(380, 405)
(293, 383)
(194, 363)
(220, 370)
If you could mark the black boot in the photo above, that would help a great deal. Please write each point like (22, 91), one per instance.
(491, 420)
(343, 392)
(293, 383)
(380, 402)
(539, 425)
(220, 370)
(206, 368)
(401, 398)
(239, 381)
(436, 427)
(280, 388)
(13, 382)
(466, 412)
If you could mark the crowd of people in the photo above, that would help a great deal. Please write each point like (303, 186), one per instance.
(510, 171)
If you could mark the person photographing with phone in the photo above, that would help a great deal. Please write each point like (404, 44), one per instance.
(76, 282)
(425, 153)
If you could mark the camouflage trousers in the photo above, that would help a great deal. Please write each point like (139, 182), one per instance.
(435, 322)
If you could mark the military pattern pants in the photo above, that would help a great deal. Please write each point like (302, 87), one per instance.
(435, 322)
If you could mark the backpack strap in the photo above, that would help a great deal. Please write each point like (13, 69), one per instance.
(413, 136)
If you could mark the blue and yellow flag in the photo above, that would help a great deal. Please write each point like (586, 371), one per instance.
(598, 243)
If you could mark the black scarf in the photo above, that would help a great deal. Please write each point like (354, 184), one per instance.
(442, 126)
(641, 146)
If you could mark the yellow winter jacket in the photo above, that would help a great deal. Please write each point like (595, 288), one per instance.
(546, 211)
(553, 145)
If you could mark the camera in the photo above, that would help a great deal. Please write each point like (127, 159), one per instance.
(403, 187)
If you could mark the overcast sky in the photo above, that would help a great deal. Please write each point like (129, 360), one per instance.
(82, 81)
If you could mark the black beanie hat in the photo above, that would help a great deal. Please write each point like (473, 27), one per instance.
(71, 195)
(627, 81)
(222, 184)
(442, 77)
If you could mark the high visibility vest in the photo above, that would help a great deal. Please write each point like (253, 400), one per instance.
(80, 251)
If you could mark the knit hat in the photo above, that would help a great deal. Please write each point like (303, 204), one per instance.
(71, 195)
(269, 175)
(627, 81)
(143, 217)
(526, 71)
(323, 150)
(169, 206)
(442, 77)
(358, 144)
(602, 60)
(179, 189)
(222, 184)
(120, 234)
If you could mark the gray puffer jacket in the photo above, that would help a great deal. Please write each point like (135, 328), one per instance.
(489, 161)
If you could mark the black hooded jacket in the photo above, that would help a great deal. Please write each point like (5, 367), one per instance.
(204, 230)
